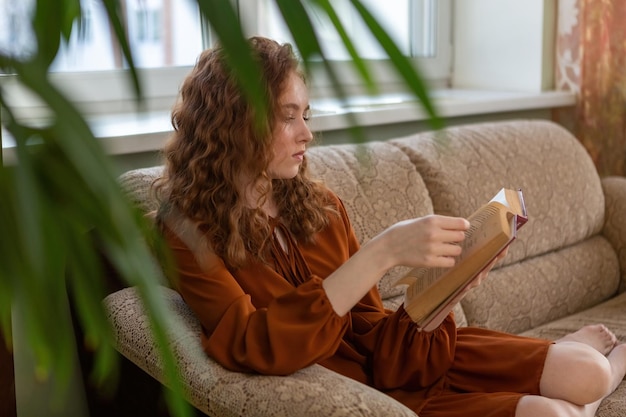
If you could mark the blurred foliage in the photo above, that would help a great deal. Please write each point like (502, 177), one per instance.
(62, 209)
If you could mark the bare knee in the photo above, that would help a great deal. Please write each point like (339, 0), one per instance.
(596, 373)
(576, 373)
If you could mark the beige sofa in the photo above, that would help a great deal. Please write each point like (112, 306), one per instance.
(567, 268)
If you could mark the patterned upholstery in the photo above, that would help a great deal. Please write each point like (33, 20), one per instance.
(615, 225)
(314, 391)
(466, 166)
(378, 186)
(137, 185)
(567, 268)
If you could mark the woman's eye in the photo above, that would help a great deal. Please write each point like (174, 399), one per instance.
(306, 115)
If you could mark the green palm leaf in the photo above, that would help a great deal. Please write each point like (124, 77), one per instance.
(62, 208)
(400, 62)
(59, 190)
(113, 10)
(306, 41)
(357, 61)
(223, 18)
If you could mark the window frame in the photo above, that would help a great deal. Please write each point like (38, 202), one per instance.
(115, 94)
(436, 70)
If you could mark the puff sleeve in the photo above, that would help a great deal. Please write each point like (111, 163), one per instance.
(261, 338)
(400, 356)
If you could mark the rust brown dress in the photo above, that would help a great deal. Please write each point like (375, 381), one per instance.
(276, 319)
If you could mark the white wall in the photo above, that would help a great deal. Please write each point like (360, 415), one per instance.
(504, 44)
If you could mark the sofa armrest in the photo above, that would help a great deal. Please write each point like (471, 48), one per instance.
(314, 391)
(615, 220)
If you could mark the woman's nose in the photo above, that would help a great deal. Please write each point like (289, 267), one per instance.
(306, 135)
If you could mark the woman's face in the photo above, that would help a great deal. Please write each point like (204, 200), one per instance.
(291, 132)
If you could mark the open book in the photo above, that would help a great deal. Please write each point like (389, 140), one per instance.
(432, 291)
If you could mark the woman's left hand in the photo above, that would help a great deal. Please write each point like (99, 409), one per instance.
(483, 274)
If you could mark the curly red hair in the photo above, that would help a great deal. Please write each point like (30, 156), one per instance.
(216, 140)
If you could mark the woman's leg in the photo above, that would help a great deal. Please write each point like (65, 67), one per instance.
(577, 376)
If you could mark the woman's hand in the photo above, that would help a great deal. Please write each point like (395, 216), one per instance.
(431, 241)
(475, 283)
(483, 274)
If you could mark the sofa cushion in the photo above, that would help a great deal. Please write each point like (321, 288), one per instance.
(463, 167)
(615, 220)
(379, 186)
(544, 288)
(137, 184)
(313, 391)
(557, 266)
(611, 313)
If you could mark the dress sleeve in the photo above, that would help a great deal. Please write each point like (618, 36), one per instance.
(405, 357)
(401, 355)
(295, 329)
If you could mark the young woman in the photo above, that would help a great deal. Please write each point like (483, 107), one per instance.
(267, 259)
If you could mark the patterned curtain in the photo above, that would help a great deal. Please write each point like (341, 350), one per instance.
(591, 61)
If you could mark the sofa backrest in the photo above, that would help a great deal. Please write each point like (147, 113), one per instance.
(376, 181)
(137, 185)
(379, 186)
(559, 263)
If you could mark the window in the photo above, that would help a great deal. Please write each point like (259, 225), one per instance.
(394, 15)
(162, 33)
(166, 37)
(421, 28)
(14, 33)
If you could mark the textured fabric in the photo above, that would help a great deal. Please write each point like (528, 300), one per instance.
(559, 275)
(611, 313)
(526, 294)
(465, 166)
(314, 391)
(379, 187)
(615, 224)
(255, 320)
(137, 185)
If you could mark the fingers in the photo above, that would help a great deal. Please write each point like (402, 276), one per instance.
(485, 272)
(479, 279)
(431, 241)
(443, 229)
(449, 223)
(441, 256)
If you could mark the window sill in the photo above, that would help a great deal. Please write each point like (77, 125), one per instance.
(128, 134)
(449, 103)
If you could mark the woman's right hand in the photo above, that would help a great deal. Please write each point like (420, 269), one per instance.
(431, 241)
